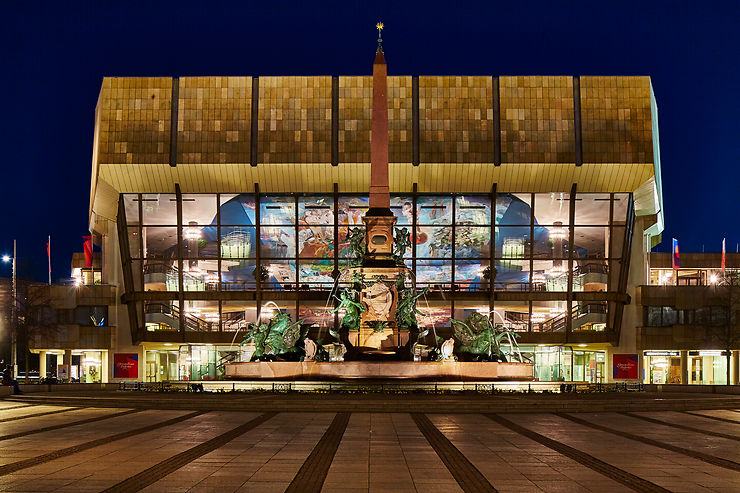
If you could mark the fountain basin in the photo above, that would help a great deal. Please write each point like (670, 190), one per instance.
(410, 370)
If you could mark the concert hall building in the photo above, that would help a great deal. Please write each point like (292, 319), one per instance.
(215, 200)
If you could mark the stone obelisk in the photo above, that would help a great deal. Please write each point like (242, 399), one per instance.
(379, 220)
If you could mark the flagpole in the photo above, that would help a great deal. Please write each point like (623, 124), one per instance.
(48, 254)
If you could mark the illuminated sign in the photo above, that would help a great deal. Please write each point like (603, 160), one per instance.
(662, 353)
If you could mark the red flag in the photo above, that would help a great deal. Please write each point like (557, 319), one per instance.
(48, 257)
(88, 248)
(675, 261)
(724, 254)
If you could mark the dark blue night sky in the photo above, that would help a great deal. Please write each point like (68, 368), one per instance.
(54, 56)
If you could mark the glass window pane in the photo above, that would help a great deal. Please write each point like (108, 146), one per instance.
(199, 208)
(552, 208)
(238, 242)
(511, 275)
(590, 242)
(472, 241)
(653, 316)
(238, 275)
(434, 210)
(352, 208)
(160, 242)
(513, 315)
(592, 209)
(316, 209)
(319, 315)
(549, 316)
(131, 206)
(590, 275)
(277, 241)
(133, 242)
(281, 274)
(316, 274)
(434, 242)
(277, 210)
(471, 275)
(199, 241)
(621, 202)
(201, 315)
(200, 275)
(316, 241)
(512, 241)
(237, 210)
(617, 241)
(473, 210)
(159, 208)
(551, 241)
(434, 314)
(433, 272)
(550, 275)
(236, 315)
(589, 316)
(513, 209)
(403, 208)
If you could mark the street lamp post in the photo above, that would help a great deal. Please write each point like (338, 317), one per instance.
(13, 313)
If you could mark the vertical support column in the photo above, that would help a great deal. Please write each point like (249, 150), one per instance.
(67, 360)
(577, 120)
(492, 252)
(336, 253)
(42, 364)
(454, 244)
(414, 221)
(257, 251)
(104, 367)
(735, 368)
(180, 263)
(335, 121)
(530, 255)
(571, 239)
(174, 107)
(218, 241)
(684, 367)
(610, 248)
(496, 123)
(415, 152)
(297, 245)
(254, 144)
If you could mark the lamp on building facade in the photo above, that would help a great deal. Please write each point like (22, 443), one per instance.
(13, 314)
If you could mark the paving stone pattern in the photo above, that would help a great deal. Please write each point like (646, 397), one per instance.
(156, 450)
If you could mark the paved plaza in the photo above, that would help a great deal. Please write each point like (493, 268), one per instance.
(81, 443)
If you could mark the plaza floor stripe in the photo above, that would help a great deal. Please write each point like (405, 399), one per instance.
(465, 473)
(682, 427)
(710, 459)
(40, 459)
(16, 407)
(46, 413)
(71, 423)
(311, 475)
(716, 418)
(168, 466)
(612, 472)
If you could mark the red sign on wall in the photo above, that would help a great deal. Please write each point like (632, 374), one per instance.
(625, 366)
(126, 365)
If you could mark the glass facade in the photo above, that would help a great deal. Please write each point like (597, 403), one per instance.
(460, 243)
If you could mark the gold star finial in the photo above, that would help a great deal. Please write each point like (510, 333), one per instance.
(379, 26)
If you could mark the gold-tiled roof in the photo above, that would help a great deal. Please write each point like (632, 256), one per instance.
(456, 135)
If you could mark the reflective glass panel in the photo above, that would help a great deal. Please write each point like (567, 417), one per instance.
(473, 210)
(472, 241)
(277, 210)
(432, 272)
(590, 242)
(237, 210)
(316, 273)
(316, 241)
(433, 210)
(550, 275)
(316, 209)
(277, 241)
(133, 242)
(281, 274)
(159, 208)
(237, 242)
(403, 208)
(511, 275)
(513, 241)
(434, 242)
(160, 242)
(200, 275)
(621, 203)
(592, 209)
(351, 209)
(549, 316)
(131, 206)
(513, 209)
(236, 315)
(199, 208)
(552, 208)
(238, 275)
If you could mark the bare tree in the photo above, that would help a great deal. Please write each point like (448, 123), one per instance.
(35, 317)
